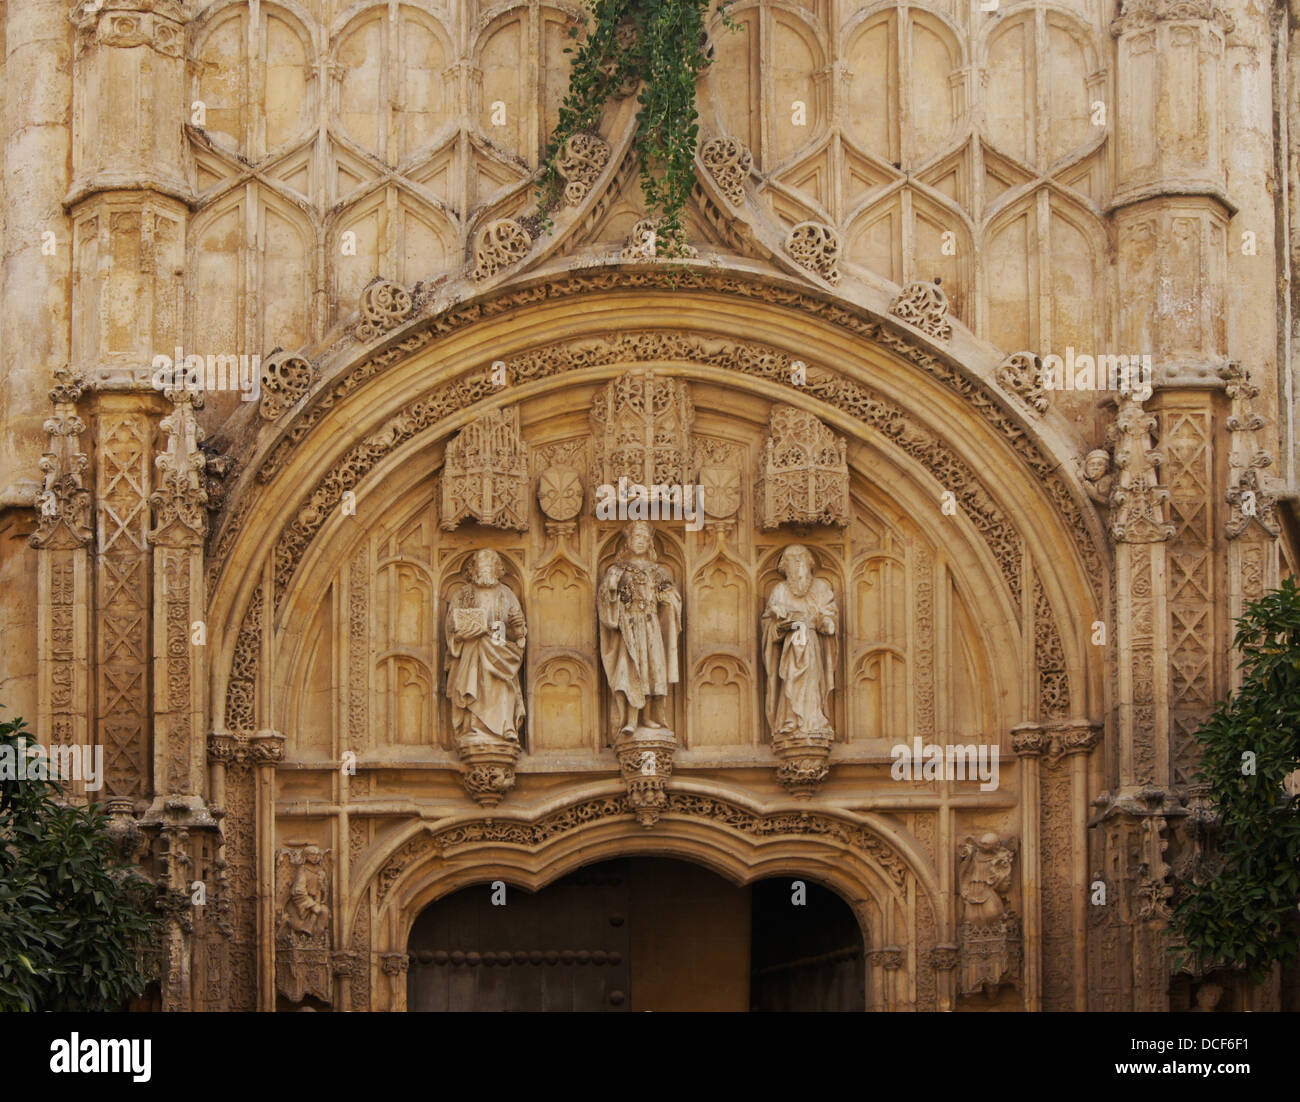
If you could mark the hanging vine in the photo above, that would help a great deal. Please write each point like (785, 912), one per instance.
(662, 46)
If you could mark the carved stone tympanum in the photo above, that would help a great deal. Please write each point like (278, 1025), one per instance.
(799, 628)
(485, 475)
(804, 474)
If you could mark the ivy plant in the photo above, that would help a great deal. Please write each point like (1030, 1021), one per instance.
(662, 46)
(1241, 911)
(76, 921)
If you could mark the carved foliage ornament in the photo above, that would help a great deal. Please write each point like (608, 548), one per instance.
(581, 160)
(815, 246)
(1141, 14)
(1022, 375)
(384, 305)
(1136, 499)
(285, 379)
(803, 475)
(729, 163)
(924, 305)
(501, 244)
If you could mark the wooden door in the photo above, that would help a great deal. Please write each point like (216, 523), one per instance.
(564, 948)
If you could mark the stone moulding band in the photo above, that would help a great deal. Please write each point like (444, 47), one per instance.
(680, 805)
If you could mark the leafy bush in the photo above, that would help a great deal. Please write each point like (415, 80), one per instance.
(1242, 912)
(662, 44)
(75, 918)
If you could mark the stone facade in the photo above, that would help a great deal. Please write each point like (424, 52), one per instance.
(907, 218)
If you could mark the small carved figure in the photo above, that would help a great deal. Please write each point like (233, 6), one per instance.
(1098, 476)
(799, 627)
(307, 911)
(640, 615)
(485, 638)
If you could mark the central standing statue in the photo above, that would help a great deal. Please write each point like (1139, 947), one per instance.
(640, 618)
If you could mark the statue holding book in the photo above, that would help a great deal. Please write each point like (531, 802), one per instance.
(485, 634)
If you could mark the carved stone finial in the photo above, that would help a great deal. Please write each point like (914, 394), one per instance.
(64, 502)
(582, 159)
(803, 476)
(729, 163)
(1136, 498)
(1022, 374)
(285, 379)
(180, 503)
(816, 247)
(1249, 496)
(384, 305)
(501, 244)
(924, 305)
(485, 474)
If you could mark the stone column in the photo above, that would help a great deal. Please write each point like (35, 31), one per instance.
(267, 751)
(62, 541)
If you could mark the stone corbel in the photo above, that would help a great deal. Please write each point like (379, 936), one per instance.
(645, 760)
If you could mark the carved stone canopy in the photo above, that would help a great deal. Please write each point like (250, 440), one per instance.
(803, 476)
(641, 425)
(485, 474)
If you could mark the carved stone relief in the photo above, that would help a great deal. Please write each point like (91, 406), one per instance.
(641, 426)
(924, 305)
(302, 931)
(502, 244)
(990, 935)
(816, 247)
(285, 379)
(485, 474)
(384, 305)
(581, 160)
(729, 163)
(803, 476)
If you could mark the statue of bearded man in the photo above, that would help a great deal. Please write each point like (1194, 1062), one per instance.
(485, 633)
(640, 614)
(799, 626)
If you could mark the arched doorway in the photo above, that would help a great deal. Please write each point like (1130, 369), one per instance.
(640, 933)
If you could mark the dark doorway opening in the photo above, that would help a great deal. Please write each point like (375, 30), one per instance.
(637, 934)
